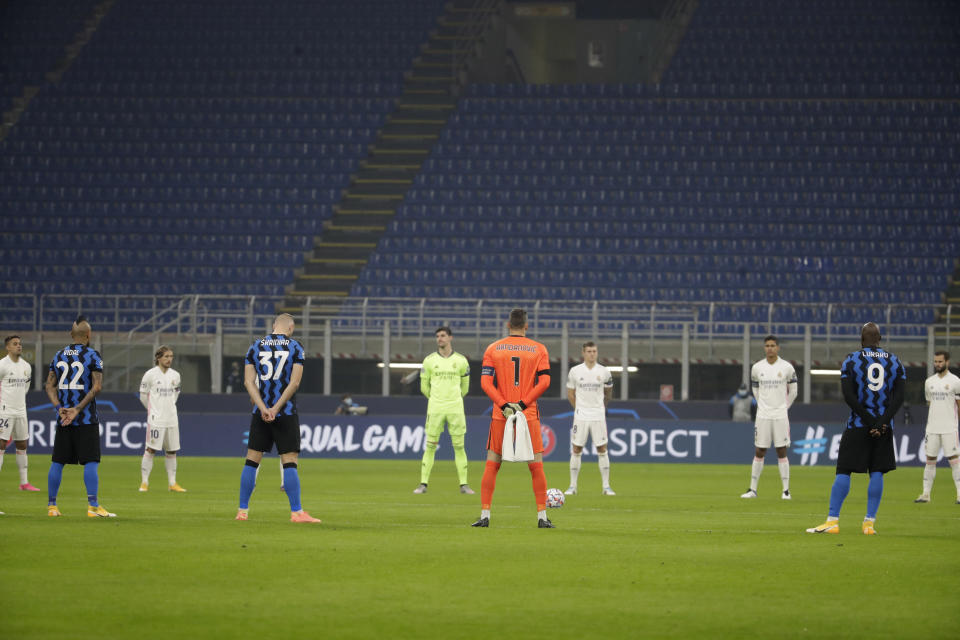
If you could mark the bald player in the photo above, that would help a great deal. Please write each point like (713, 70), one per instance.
(73, 382)
(272, 374)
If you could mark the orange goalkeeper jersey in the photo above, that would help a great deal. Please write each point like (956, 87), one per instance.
(515, 369)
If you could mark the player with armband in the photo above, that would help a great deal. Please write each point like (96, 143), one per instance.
(516, 372)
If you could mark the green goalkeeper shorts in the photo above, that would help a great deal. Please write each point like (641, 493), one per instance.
(456, 424)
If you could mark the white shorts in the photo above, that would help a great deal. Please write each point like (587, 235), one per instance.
(950, 442)
(771, 432)
(163, 438)
(13, 428)
(596, 429)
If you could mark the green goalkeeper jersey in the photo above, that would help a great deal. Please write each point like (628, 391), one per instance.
(445, 381)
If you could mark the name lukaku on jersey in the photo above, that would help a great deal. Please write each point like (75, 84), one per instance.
(876, 354)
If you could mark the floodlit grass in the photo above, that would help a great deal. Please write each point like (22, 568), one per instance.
(676, 553)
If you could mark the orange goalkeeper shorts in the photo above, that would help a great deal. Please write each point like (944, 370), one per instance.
(495, 438)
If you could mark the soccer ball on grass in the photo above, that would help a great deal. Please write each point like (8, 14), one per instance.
(554, 498)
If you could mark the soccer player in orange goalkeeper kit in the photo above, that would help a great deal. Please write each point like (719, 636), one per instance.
(516, 371)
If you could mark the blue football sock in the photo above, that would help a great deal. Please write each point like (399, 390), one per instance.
(92, 482)
(291, 484)
(54, 477)
(841, 487)
(248, 480)
(874, 493)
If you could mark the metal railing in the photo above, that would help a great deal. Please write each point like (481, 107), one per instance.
(477, 21)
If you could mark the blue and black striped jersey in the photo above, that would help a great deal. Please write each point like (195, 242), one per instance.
(73, 367)
(273, 357)
(873, 371)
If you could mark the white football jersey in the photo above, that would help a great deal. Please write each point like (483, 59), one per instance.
(942, 394)
(589, 385)
(14, 384)
(774, 387)
(158, 393)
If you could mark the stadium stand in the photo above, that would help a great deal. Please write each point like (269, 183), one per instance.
(192, 142)
(739, 179)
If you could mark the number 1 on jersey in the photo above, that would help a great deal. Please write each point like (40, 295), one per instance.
(516, 370)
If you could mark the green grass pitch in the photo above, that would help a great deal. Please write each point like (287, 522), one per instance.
(676, 554)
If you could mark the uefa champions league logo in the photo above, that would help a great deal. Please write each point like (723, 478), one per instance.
(549, 439)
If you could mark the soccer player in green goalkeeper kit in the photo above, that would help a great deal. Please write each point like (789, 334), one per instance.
(445, 379)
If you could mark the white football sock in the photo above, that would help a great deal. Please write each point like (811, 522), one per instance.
(784, 465)
(22, 465)
(574, 468)
(542, 515)
(484, 513)
(755, 472)
(603, 460)
(1, 458)
(146, 466)
(955, 470)
(929, 473)
(171, 464)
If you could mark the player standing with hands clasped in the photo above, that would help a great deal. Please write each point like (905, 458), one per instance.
(774, 382)
(445, 379)
(73, 382)
(159, 391)
(272, 374)
(15, 376)
(873, 381)
(589, 389)
(516, 371)
(942, 390)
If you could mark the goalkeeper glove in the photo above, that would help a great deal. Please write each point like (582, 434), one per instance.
(511, 408)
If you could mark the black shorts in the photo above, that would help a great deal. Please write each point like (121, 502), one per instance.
(284, 431)
(77, 444)
(861, 453)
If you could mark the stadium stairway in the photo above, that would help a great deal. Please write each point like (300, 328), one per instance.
(396, 157)
(10, 117)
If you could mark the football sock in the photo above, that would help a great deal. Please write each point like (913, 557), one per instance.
(22, 465)
(484, 513)
(171, 463)
(542, 514)
(929, 473)
(426, 465)
(291, 484)
(92, 481)
(248, 480)
(54, 477)
(1, 457)
(460, 458)
(539, 484)
(874, 493)
(488, 483)
(574, 467)
(955, 470)
(784, 465)
(841, 487)
(604, 461)
(146, 466)
(755, 470)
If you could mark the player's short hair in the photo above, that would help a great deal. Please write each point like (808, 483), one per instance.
(945, 354)
(7, 340)
(445, 329)
(161, 350)
(80, 327)
(771, 337)
(284, 319)
(588, 343)
(870, 335)
(518, 318)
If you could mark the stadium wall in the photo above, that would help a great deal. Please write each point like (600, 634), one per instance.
(399, 435)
